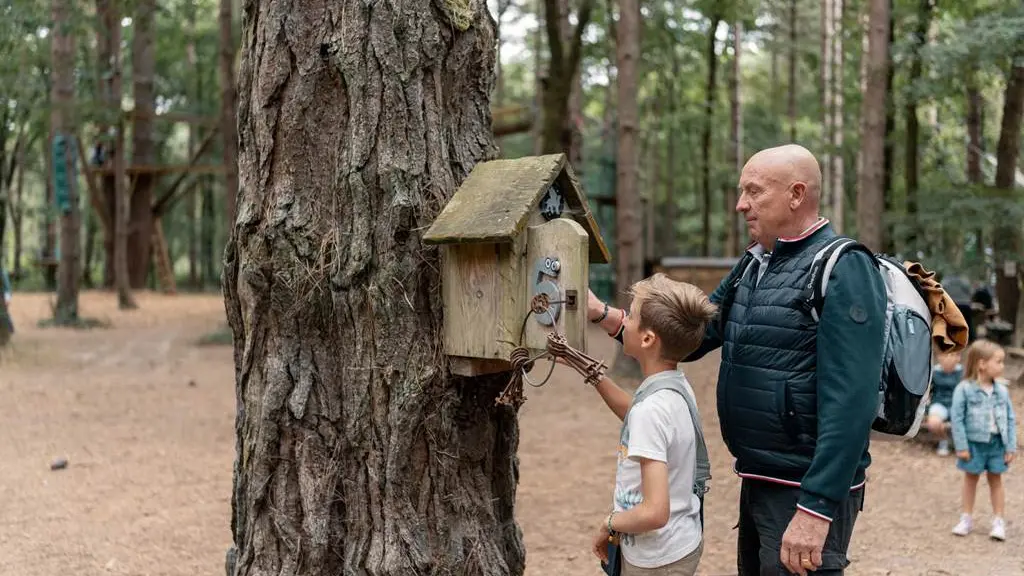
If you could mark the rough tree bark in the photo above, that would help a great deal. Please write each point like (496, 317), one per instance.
(888, 151)
(228, 108)
(140, 232)
(975, 142)
(357, 452)
(62, 126)
(870, 199)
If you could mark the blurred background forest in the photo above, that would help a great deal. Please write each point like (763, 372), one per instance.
(114, 117)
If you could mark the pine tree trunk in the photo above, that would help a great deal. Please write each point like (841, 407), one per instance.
(870, 200)
(62, 127)
(673, 181)
(735, 143)
(709, 113)
(792, 69)
(195, 99)
(140, 233)
(18, 212)
(888, 154)
(357, 453)
(827, 97)
(910, 170)
(1006, 239)
(228, 109)
(107, 31)
(207, 228)
(629, 255)
(838, 185)
(49, 228)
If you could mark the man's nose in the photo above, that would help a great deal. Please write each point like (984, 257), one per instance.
(742, 205)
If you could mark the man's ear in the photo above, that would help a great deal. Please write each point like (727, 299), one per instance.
(798, 193)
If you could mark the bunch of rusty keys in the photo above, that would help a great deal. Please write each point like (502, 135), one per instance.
(590, 368)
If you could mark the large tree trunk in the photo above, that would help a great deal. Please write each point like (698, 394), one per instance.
(792, 69)
(735, 144)
(49, 226)
(62, 130)
(107, 31)
(910, 171)
(673, 179)
(121, 204)
(837, 187)
(709, 113)
(18, 212)
(629, 255)
(888, 153)
(1007, 242)
(870, 199)
(562, 75)
(975, 144)
(228, 107)
(827, 98)
(140, 233)
(357, 452)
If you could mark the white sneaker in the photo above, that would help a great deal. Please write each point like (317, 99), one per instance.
(998, 529)
(943, 449)
(963, 528)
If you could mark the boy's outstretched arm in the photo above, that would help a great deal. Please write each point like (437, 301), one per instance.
(617, 399)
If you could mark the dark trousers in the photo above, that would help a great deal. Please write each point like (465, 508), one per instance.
(766, 509)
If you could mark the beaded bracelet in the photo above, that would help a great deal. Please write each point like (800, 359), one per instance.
(603, 316)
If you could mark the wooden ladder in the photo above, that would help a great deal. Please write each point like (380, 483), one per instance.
(161, 254)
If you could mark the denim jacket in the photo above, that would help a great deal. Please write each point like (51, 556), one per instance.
(972, 411)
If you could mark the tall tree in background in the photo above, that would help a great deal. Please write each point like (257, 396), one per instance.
(870, 200)
(562, 74)
(144, 153)
(228, 108)
(629, 248)
(735, 144)
(709, 113)
(63, 146)
(910, 170)
(358, 127)
(836, 126)
(1007, 241)
(793, 62)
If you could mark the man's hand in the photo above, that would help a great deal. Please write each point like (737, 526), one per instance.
(964, 455)
(802, 543)
(1008, 457)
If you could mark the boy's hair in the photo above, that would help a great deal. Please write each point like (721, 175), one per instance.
(976, 352)
(678, 313)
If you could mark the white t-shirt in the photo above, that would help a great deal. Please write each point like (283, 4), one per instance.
(660, 429)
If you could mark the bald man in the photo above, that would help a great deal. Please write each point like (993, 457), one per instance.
(796, 398)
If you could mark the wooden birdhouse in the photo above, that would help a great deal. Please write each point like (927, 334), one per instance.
(514, 229)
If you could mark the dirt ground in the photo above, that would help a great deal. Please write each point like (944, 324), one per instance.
(144, 417)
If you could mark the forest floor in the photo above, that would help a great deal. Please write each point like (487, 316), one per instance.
(144, 416)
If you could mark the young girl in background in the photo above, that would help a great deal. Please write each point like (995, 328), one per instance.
(984, 432)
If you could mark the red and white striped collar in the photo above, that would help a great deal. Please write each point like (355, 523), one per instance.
(818, 225)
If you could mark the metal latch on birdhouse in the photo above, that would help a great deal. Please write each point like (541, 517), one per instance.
(545, 278)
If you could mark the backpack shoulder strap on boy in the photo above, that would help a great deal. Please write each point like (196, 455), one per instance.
(702, 471)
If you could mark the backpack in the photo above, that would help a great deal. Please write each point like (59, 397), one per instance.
(906, 372)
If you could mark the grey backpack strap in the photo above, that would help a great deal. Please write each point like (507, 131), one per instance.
(702, 472)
